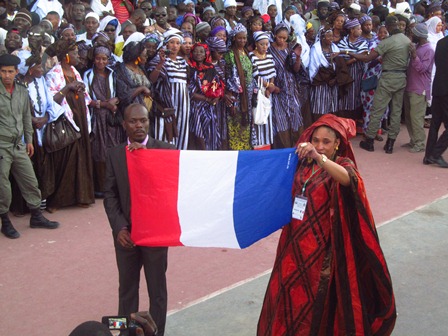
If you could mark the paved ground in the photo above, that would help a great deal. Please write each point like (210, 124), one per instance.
(53, 280)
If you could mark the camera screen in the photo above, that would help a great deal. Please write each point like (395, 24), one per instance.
(117, 323)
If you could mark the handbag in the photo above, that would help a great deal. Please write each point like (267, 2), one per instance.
(59, 134)
(369, 83)
(214, 89)
(263, 109)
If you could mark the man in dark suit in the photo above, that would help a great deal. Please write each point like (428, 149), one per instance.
(435, 146)
(130, 257)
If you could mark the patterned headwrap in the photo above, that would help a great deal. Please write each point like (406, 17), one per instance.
(216, 44)
(239, 28)
(63, 28)
(246, 9)
(364, 18)
(101, 50)
(152, 38)
(171, 34)
(217, 30)
(187, 35)
(260, 35)
(102, 34)
(207, 64)
(349, 24)
(215, 19)
(279, 26)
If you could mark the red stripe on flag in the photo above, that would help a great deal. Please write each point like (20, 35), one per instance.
(153, 180)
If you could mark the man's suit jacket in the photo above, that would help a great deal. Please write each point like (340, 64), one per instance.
(117, 193)
(439, 86)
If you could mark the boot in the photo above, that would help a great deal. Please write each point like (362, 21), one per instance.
(389, 146)
(367, 144)
(7, 229)
(38, 220)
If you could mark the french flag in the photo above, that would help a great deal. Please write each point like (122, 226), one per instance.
(209, 198)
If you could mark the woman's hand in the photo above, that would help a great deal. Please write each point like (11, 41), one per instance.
(112, 104)
(298, 50)
(39, 122)
(228, 97)
(307, 150)
(162, 56)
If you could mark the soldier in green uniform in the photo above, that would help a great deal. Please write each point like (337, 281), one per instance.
(15, 124)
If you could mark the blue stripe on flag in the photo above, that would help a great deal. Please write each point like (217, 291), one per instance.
(263, 193)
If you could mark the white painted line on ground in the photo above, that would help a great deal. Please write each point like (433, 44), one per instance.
(219, 292)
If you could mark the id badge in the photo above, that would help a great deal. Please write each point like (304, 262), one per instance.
(298, 210)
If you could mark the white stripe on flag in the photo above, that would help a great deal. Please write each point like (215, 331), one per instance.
(206, 190)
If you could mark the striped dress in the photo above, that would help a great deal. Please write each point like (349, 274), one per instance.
(266, 69)
(286, 114)
(352, 99)
(172, 90)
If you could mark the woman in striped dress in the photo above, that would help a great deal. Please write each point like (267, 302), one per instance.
(203, 120)
(263, 61)
(286, 114)
(324, 93)
(350, 105)
(218, 48)
(169, 74)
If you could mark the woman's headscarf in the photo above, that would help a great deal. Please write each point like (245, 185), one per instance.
(63, 28)
(433, 37)
(63, 47)
(344, 127)
(216, 30)
(171, 34)
(349, 24)
(196, 18)
(154, 38)
(260, 35)
(207, 64)
(110, 20)
(102, 50)
(294, 8)
(216, 44)
(279, 26)
(132, 51)
(239, 28)
(299, 26)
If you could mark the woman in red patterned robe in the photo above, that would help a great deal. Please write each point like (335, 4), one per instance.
(330, 276)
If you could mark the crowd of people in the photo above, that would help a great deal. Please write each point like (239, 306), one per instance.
(198, 70)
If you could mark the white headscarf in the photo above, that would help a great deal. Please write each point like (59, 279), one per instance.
(433, 37)
(105, 21)
(299, 25)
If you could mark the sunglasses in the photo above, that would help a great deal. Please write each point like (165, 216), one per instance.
(146, 8)
(159, 15)
(109, 30)
(34, 34)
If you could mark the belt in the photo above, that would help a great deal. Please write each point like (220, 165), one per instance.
(396, 71)
(11, 139)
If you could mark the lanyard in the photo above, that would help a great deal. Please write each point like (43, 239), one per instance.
(312, 174)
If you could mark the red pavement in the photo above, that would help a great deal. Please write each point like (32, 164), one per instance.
(53, 280)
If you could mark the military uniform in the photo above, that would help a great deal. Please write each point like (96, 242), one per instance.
(15, 128)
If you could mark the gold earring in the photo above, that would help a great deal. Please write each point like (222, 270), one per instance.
(337, 147)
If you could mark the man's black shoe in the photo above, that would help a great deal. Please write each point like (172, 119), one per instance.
(38, 221)
(438, 161)
(367, 144)
(8, 229)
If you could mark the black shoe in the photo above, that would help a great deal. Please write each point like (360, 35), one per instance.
(7, 229)
(99, 194)
(367, 144)
(389, 146)
(426, 161)
(38, 221)
(438, 161)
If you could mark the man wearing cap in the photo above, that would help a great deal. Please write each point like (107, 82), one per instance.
(395, 53)
(15, 125)
(23, 22)
(418, 87)
(435, 145)
(92, 22)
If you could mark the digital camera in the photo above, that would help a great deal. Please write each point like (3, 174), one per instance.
(126, 326)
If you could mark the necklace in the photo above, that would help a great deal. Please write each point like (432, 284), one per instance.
(259, 55)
